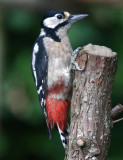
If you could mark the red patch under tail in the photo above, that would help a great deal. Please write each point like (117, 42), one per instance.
(57, 112)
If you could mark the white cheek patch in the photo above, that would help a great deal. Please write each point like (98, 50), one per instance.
(52, 22)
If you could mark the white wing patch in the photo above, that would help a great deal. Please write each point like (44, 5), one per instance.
(35, 50)
(39, 90)
(52, 22)
(43, 102)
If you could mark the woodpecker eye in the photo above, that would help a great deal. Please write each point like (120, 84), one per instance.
(59, 16)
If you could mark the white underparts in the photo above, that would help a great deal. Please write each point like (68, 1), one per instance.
(66, 72)
(35, 50)
(59, 59)
(56, 70)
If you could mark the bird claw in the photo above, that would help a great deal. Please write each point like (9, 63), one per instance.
(75, 66)
(73, 61)
(77, 50)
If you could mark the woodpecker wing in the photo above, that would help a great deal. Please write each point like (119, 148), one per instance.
(39, 69)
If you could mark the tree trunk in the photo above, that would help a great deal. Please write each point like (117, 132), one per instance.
(90, 126)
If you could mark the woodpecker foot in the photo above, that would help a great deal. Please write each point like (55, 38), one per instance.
(75, 52)
(74, 64)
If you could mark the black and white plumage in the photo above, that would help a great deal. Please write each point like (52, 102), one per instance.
(51, 67)
(64, 136)
(39, 67)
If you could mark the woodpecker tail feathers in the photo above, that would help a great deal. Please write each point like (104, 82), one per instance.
(49, 130)
(57, 112)
(64, 135)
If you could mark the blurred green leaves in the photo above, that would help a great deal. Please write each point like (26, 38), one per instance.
(4, 144)
(21, 20)
(83, 33)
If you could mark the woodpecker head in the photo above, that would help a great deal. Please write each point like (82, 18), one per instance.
(57, 20)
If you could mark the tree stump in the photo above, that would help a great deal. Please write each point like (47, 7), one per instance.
(90, 125)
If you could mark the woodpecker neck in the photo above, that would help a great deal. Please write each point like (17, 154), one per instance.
(62, 33)
(57, 34)
(48, 32)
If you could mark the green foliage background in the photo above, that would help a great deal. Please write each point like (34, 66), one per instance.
(23, 131)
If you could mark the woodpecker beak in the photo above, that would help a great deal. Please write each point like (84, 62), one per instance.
(74, 18)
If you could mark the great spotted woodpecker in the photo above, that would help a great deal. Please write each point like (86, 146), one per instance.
(51, 66)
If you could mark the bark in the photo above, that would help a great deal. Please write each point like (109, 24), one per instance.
(90, 126)
(116, 110)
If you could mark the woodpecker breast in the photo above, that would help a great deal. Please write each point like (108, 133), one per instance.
(59, 59)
